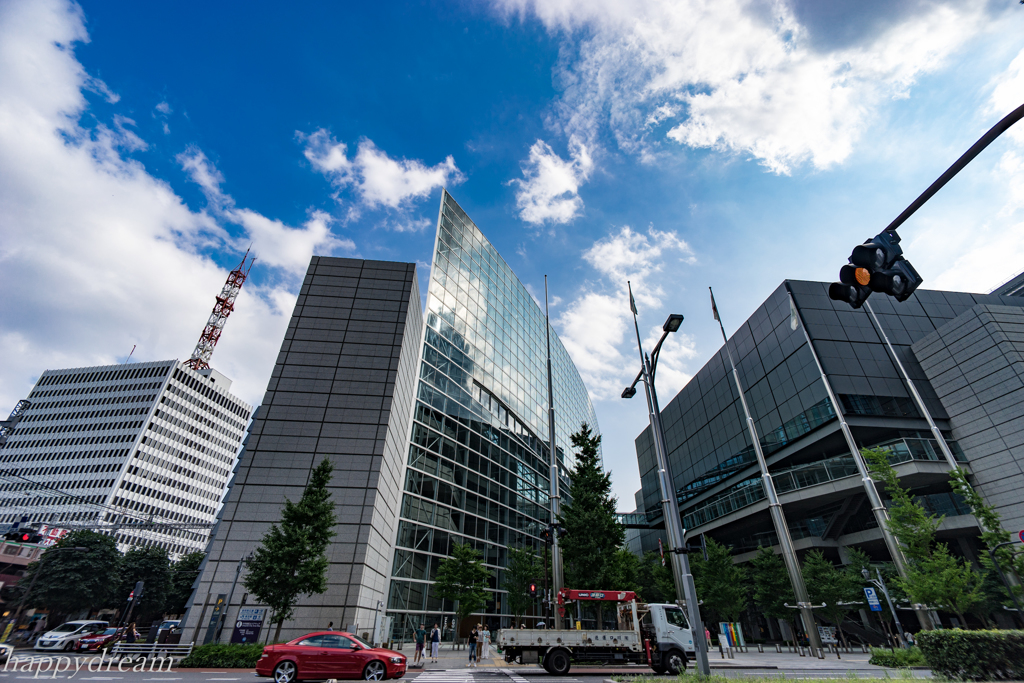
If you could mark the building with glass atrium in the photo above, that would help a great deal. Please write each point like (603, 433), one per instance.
(478, 454)
(436, 425)
(962, 352)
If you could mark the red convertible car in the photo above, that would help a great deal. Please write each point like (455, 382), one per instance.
(329, 654)
(91, 643)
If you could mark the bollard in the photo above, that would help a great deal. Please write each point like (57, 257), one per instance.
(821, 653)
(778, 648)
(760, 649)
(721, 649)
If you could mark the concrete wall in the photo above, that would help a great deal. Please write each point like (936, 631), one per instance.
(342, 389)
(975, 363)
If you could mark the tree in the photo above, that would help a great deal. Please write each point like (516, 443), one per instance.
(522, 570)
(831, 586)
(721, 584)
(624, 571)
(655, 580)
(72, 581)
(183, 577)
(462, 578)
(291, 560)
(152, 566)
(913, 527)
(593, 534)
(772, 588)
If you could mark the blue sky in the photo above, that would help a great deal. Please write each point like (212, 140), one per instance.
(679, 145)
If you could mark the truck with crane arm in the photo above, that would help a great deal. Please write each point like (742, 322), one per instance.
(657, 635)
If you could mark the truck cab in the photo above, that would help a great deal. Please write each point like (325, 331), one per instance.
(670, 637)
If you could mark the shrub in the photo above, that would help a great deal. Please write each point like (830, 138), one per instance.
(894, 659)
(974, 655)
(223, 656)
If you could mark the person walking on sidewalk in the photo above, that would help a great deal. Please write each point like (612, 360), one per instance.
(473, 638)
(435, 643)
(421, 636)
(485, 643)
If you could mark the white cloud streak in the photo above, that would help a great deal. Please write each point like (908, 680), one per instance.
(96, 254)
(738, 76)
(549, 189)
(597, 327)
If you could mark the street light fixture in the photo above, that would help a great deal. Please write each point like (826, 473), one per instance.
(880, 583)
(686, 591)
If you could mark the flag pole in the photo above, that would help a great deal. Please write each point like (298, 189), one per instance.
(803, 600)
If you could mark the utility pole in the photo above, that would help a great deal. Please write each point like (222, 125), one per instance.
(553, 496)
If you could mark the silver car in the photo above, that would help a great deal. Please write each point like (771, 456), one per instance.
(67, 635)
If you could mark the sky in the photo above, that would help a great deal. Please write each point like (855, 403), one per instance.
(676, 145)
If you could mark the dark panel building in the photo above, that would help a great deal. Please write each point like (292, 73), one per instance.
(342, 389)
(716, 476)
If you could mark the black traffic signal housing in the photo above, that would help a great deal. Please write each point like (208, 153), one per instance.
(876, 266)
(24, 536)
(533, 590)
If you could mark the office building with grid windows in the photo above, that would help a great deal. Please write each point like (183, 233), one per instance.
(962, 352)
(108, 447)
(478, 467)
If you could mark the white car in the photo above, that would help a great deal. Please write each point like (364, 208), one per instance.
(6, 650)
(65, 636)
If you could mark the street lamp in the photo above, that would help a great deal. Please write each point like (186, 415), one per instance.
(32, 583)
(880, 583)
(1009, 588)
(686, 591)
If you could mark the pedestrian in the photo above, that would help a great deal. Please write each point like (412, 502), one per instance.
(485, 643)
(473, 638)
(435, 643)
(131, 635)
(421, 637)
(330, 626)
(910, 639)
(707, 634)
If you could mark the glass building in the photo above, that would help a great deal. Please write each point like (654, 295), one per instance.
(478, 451)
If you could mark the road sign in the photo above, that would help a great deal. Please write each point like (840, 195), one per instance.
(873, 602)
(1021, 535)
(248, 624)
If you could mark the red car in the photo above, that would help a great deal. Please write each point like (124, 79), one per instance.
(329, 654)
(92, 643)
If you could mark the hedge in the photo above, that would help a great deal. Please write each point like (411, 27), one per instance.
(898, 658)
(974, 655)
(223, 656)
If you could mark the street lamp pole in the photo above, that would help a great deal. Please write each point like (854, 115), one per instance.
(553, 496)
(880, 583)
(686, 591)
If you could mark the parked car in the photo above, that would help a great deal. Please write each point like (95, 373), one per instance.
(67, 635)
(6, 649)
(99, 640)
(329, 654)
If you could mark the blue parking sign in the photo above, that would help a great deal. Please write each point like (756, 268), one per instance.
(873, 602)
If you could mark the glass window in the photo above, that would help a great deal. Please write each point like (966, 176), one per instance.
(676, 617)
(315, 641)
(338, 642)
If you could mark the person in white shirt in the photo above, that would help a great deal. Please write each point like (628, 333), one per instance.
(485, 642)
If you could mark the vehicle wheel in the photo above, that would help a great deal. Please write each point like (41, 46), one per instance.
(675, 662)
(285, 672)
(69, 647)
(557, 663)
(375, 671)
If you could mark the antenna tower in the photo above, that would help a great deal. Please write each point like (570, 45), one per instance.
(200, 359)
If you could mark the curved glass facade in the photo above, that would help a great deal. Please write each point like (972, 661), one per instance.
(478, 453)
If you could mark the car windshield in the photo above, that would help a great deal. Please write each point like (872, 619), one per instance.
(67, 628)
(110, 632)
(360, 641)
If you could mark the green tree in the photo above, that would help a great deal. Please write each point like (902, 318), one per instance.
(462, 578)
(721, 584)
(656, 583)
(522, 570)
(593, 533)
(913, 527)
(183, 576)
(992, 535)
(624, 571)
(71, 581)
(152, 566)
(772, 588)
(291, 560)
(831, 586)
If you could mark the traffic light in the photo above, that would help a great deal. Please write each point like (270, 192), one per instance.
(876, 266)
(533, 590)
(24, 536)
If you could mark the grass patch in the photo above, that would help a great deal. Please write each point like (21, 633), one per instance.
(896, 659)
(688, 677)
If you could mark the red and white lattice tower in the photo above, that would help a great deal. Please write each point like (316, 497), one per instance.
(200, 359)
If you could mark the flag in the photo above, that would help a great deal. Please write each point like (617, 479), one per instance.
(714, 308)
(632, 303)
(794, 317)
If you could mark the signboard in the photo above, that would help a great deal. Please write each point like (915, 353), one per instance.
(51, 535)
(828, 634)
(873, 601)
(1020, 535)
(248, 624)
(218, 609)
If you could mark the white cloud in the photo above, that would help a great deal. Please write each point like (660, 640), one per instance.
(96, 254)
(549, 189)
(379, 180)
(597, 327)
(736, 75)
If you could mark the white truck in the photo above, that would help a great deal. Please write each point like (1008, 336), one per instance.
(656, 635)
